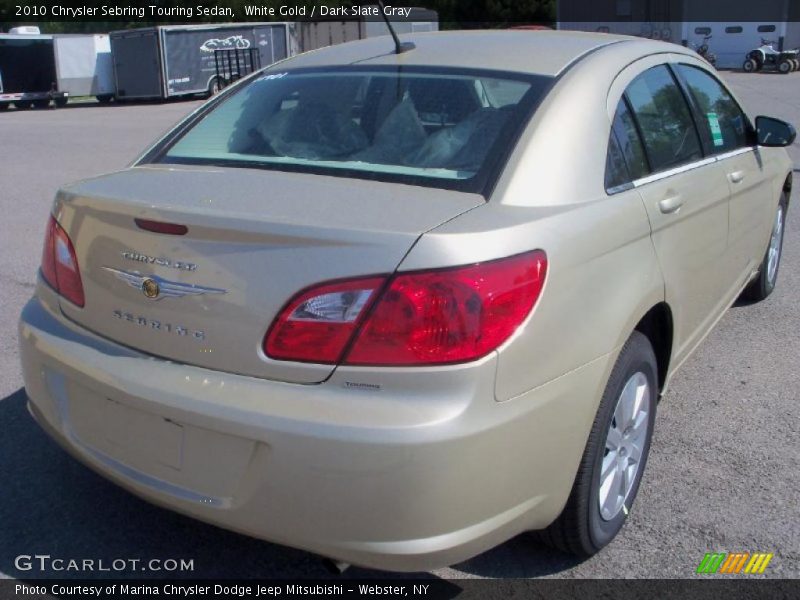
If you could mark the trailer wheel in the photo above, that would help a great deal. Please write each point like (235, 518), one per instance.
(105, 98)
(61, 101)
(213, 87)
(42, 103)
(749, 66)
(23, 104)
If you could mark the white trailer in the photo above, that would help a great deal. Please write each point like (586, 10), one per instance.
(36, 69)
(84, 66)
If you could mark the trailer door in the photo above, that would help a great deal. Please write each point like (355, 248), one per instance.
(137, 66)
(27, 64)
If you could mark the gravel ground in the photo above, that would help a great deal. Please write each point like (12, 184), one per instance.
(722, 475)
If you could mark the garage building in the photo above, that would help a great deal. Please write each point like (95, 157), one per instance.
(735, 26)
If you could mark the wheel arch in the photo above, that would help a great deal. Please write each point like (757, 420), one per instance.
(787, 186)
(657, 326)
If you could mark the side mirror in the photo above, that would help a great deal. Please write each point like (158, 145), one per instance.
(774, 133)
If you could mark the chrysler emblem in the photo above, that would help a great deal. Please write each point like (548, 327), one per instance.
(150, 288)
(157, 288)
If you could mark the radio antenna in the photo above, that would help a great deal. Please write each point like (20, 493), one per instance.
(399, 47)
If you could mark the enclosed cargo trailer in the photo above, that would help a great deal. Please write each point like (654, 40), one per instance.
(28, 71)
(35, 68)
(181, 60)
(83, 65)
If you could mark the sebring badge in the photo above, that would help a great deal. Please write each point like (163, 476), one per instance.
(156, 287)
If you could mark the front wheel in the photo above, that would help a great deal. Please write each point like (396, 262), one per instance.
(764, 283)
(615, 455)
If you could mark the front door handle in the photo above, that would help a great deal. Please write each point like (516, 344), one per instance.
(671, 204)
(736, 176)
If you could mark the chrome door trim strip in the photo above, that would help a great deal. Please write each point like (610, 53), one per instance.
(676, 171)
(691, 166)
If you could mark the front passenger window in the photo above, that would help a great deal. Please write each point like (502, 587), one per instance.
(724, 122)
(668, 130)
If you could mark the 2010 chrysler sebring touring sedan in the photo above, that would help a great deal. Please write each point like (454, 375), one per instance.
(398, 307)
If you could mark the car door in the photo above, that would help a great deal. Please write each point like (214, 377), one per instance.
(686, 196)
(727, 134)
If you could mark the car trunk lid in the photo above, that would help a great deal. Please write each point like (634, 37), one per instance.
(252, 240)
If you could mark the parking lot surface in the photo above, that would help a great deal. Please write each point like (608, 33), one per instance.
(723, 470)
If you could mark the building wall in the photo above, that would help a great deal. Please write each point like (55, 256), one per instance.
(730, 22)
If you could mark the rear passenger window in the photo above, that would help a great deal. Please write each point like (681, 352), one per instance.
(629, 142)
(626, 161)
(724, 123)
(617, 176)
(668, 131)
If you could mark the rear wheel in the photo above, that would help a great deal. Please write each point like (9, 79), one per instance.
(105, 98)
(615, 455)
(764, 283)
(61, 101)
(23, 104)
(785, 66)
(749, 66)
(42, 103)
(4, 105)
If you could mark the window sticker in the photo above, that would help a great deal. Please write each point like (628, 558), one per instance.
(716, 132)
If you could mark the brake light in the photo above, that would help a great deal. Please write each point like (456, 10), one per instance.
(60, 265)
(421, 318)
(161, 227)
(450, 315)
(316, 325)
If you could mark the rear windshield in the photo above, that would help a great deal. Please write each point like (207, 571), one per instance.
(441, 129)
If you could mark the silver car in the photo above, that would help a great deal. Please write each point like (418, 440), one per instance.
(396, 308)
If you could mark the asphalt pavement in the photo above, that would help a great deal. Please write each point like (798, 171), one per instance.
(723, 471)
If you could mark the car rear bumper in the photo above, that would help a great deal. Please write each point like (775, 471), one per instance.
(390, 477)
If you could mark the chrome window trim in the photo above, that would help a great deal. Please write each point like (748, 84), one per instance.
(691, 166)
(676, 171)
(737, 152)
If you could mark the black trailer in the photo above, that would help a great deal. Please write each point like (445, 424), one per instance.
(28, 75)
(182, 60)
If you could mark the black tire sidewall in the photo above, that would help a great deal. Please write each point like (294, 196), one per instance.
(637, 355)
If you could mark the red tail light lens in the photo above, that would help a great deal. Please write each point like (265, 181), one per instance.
(317, 324)
(60, 265)
(421, 318)
(452, 315)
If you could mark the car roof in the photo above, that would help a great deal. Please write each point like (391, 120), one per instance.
(533, 52)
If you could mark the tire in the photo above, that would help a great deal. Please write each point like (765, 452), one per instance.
(43, 103)
(105, 98)
(785, 66)
(584, 527)
(61, 101)
(4, 105)
(764, 283)
(796, 64)
(213, 87)
(749, 66)
(23, 104)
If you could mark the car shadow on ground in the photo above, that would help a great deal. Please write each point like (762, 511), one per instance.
(52, 505)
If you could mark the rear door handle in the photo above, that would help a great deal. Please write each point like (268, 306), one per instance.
(736, 176)
(671, 204)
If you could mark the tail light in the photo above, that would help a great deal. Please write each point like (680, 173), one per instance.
(420, 318)
(59, 264)
(317, 324)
